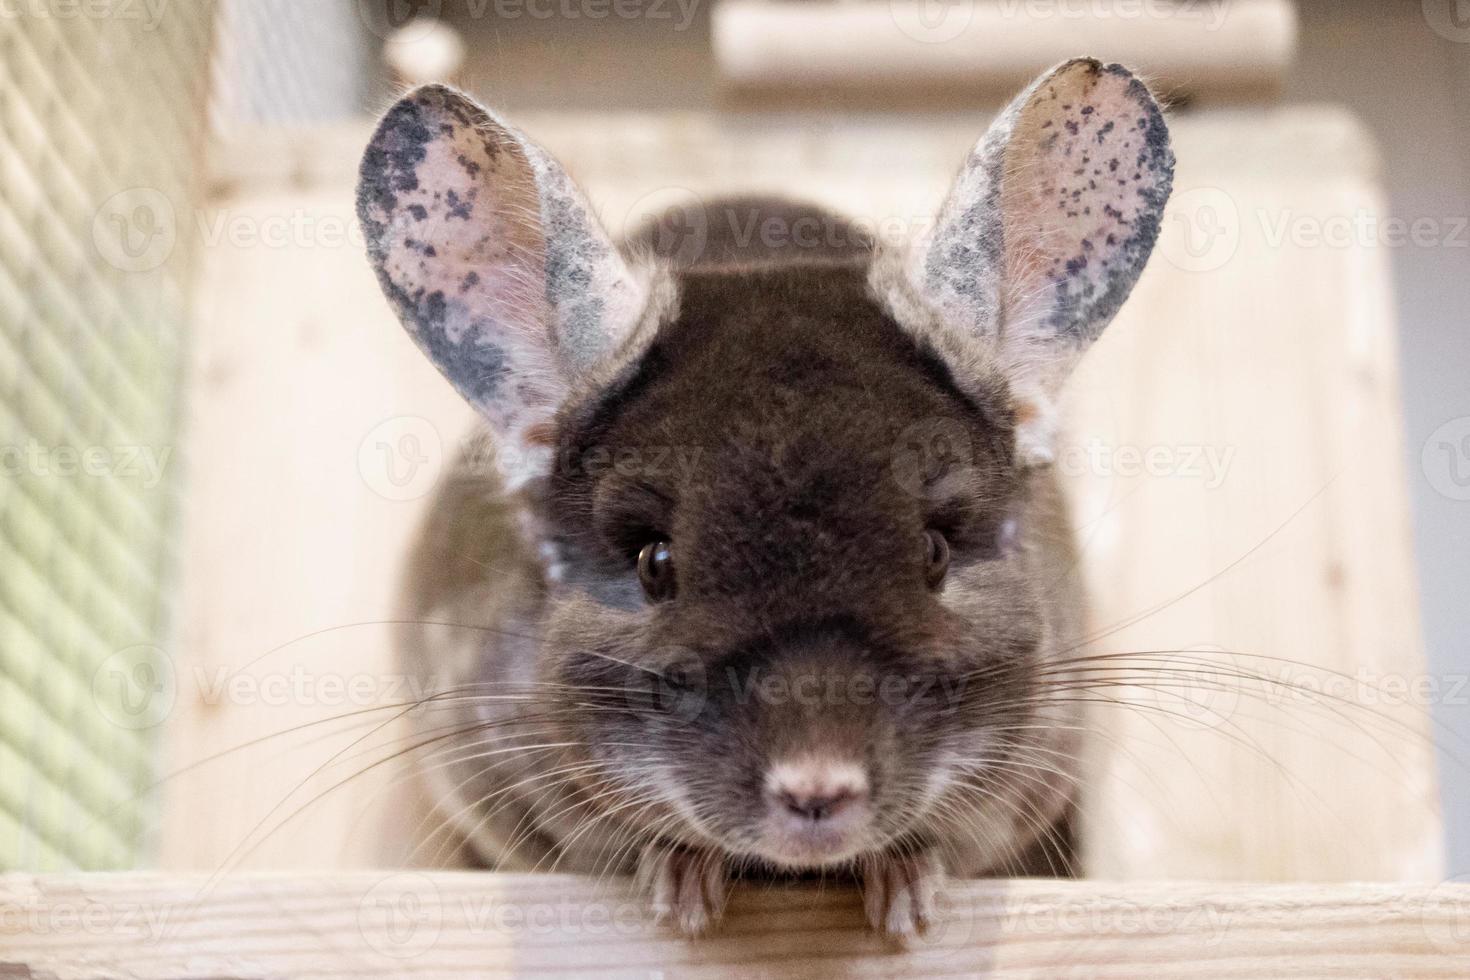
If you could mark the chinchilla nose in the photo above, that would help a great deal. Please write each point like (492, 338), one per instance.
(816, 789)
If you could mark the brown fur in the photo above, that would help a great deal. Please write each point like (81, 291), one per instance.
(762, 428)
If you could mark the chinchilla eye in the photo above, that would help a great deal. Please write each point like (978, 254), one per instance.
(656, 571)
(936, 558)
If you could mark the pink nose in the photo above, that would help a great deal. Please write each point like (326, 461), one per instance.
(815, 789)
(816, 808)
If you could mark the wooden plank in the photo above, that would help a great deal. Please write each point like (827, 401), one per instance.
(1281, 552)
(1245, 46)
(363, 924)
(300, 506)
(1268, 348)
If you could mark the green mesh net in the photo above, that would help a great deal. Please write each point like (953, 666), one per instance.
(102, 114)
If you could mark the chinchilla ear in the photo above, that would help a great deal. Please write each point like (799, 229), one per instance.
(1046, 230)
(494, 262)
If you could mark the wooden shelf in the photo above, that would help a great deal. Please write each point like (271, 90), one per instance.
(461, 924)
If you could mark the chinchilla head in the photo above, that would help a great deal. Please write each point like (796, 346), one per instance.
(784, 508)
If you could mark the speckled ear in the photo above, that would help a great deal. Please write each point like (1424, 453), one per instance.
(1049, 225)
(493, 261)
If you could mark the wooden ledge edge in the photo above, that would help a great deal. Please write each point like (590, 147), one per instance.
(397, 923)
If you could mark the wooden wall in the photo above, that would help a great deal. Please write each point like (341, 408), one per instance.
(1236, 472)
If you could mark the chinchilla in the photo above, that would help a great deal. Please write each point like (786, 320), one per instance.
(756, 566)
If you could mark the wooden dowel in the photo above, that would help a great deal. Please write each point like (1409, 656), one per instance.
(1185, 48)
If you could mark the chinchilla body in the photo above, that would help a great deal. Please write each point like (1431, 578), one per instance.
(756, 563)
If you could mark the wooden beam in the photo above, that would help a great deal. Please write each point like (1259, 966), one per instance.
(462, 924)
(886, 46)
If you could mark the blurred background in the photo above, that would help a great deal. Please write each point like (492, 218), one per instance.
(216, 443)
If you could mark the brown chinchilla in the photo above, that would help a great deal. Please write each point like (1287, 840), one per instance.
(757, 566)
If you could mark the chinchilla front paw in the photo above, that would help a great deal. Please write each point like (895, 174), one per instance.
(686, 887)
